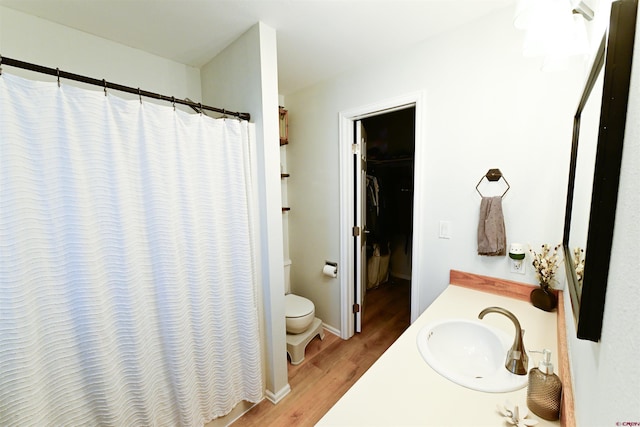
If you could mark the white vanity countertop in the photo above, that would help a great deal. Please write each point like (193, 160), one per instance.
(401, 389)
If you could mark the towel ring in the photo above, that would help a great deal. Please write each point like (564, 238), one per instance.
(493, 175)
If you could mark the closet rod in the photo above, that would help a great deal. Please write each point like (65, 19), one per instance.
(108, 85)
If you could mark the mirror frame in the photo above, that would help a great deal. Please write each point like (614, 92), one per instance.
(615, 55)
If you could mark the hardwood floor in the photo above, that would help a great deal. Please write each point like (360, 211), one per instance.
(331, 366)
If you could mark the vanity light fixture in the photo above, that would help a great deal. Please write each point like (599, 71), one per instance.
(584, 10)
(555, 30)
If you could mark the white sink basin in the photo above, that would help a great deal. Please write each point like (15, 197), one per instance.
(469, 353)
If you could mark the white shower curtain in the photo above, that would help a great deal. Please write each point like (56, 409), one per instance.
(128, 290)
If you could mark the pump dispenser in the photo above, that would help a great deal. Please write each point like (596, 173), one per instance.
(544, 391)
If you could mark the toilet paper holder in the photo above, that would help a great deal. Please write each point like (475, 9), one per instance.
(330, 269)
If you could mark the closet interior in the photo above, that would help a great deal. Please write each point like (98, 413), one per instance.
(389, 198)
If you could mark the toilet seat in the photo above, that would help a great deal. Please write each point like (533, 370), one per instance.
(297, 306)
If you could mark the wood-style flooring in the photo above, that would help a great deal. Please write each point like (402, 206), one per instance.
(333, 365)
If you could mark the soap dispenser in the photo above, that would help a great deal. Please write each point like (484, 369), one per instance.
(544, 391)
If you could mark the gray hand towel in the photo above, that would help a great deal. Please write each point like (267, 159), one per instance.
(492, 239)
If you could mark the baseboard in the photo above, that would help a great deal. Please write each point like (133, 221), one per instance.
(400, 275)
(331, 329)
(277, 397)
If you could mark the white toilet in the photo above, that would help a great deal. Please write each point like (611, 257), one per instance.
(299, 313)
(301, 324)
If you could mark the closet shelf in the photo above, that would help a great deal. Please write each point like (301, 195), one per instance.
(394, 161)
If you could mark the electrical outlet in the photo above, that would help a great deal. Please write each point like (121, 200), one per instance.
(517, 266)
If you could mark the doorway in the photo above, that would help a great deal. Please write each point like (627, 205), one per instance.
(400, 242)
(387, 170)
(389, 194)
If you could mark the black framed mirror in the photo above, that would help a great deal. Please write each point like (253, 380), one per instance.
(594, 170)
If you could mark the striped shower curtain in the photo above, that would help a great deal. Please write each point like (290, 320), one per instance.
(128, 280)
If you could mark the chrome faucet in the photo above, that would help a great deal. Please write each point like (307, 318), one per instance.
(517, 359)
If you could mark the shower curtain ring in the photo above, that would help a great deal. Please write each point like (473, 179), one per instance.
(200, 105)
(105, 86)
(173, 102)
(140, 95)
(58, 75)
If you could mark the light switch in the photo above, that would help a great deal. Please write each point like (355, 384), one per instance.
(445, 230)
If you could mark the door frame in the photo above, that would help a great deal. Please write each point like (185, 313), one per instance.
(347, 206)
(359, 217)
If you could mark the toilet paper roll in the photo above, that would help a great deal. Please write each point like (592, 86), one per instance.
(330, 270)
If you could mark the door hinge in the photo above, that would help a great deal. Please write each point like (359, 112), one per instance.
(355, 231)
(356, 308)
(355, 148)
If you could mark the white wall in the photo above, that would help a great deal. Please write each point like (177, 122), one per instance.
(244, 77)
(31, 39)
(486, 107)
(606, 375)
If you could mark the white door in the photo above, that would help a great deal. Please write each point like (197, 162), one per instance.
(360, 222)
(350, 251)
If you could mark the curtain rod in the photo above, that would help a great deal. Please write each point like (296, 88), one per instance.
(198, 107)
